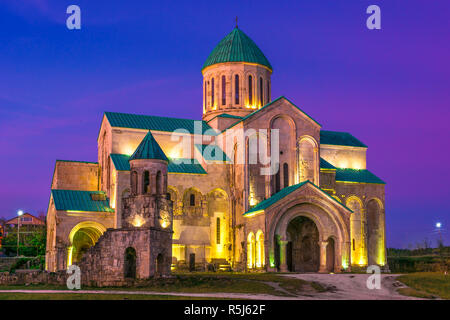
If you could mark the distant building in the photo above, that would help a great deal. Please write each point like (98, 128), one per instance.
(26, 219)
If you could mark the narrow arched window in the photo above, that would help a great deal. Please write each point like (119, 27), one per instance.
(146, 182)
(353, 244)
(192, 200)
(205, 99)
(218, 231)
(134, 182)
(261, 100)
(236, 89)
(268, 92)
(224, 85)
(286, 175)
(159, 182)
(277, 181)
(212, 92)
(250, 90)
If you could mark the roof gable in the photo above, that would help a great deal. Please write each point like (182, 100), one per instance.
(268, 105)
(285, 192)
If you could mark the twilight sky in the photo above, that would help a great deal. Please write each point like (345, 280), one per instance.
(390, 88)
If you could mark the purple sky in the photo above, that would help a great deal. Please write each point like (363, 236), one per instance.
(390, 88)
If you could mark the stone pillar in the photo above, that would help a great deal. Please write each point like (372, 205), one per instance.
(323, 256)
(283, 256)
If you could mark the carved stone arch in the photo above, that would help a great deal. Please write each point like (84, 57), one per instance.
(175, 199)
(305, 160)
(376, 245)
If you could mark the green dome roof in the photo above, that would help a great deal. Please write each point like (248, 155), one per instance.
(148, 149)
(237, 47)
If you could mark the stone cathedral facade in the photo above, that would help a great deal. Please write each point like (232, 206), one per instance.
(178, 193)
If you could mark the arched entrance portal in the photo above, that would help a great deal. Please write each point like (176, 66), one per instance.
(303, 252)
(130, 263)
(83, 236)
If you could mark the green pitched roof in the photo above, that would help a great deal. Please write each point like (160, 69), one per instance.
(212, 152)
(339, 139)
(137, 121)
(285, 192)
(74, 200)
(326, 165)
(192, 166)
(148, 149)
(237, 47)
(357, 175)
(267, 105)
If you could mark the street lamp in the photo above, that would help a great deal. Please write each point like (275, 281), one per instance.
(438, 226)
(19, 213)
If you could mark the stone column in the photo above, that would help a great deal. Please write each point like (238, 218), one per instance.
(323, 256)
(283, 256)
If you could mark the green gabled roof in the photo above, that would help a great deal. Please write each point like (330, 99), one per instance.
(285, 192)
(120, 161)
(339, 139)
(237, 47)
(324, 164)
(267, 105)
(357, 176)
(148, 149)
(190, 166)
(137, 121)
(212, 152)
(76, 161)
(75, 200)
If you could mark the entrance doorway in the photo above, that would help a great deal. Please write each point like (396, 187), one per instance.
(303, 253)
(130, 263)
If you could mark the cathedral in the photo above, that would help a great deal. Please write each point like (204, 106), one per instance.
(256, 185)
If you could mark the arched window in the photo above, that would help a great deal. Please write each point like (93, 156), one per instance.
(277, 181)
(134, 182)
(159, 182)
(212, 92)
(250, 90)
(205, 99)
(218, 230)
(268, 92)
(261, 100)
(353, 244)
(286, 175)
(236, 89)
(192, 200)
(146, 182)
(224, 85)
(130, 263)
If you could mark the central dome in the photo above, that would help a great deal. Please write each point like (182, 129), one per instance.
(237, 47)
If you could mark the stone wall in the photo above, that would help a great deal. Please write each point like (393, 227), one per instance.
(26, 277)
(104, 263)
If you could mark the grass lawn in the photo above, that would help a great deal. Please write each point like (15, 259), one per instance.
(226, 282)
(426, 284)
(92, 296)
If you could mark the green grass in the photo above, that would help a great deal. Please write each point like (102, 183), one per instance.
(431, 283)
(93, 296)
(226, 282)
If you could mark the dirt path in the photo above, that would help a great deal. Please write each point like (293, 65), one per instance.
(353, 287)
(340, 287)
